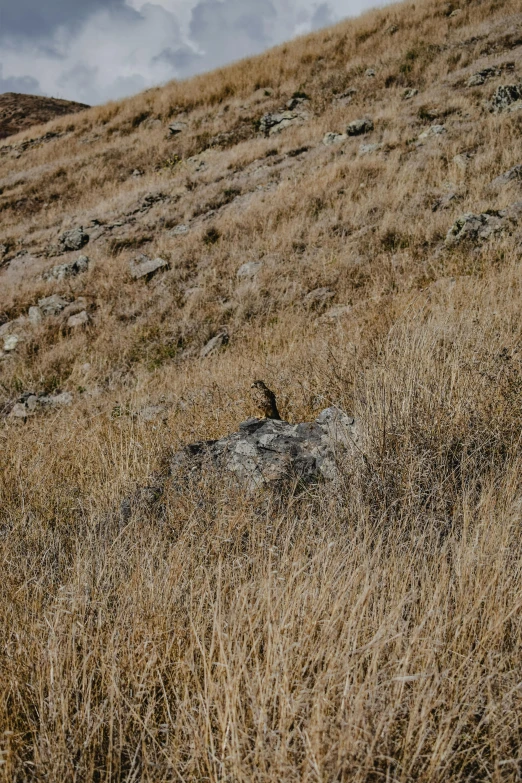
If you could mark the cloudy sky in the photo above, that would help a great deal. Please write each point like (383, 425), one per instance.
(95, 50)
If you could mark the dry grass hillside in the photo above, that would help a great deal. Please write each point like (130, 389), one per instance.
(19, 112)
(370, 632)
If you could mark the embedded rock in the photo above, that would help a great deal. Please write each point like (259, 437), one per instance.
(81, 319)
(214, 345)
(434, 130)
(407, 95)
(475, 228)
(177, 127)
(74, 239)
(145, 267)
(358, 127)
(267, 453)
(35, 315)
(270, 124)
(333, 138)
(512, 175)
(72, 269)
(52, 305)
(505, 96)
(10, 342)
(249, 270)
(482, 76)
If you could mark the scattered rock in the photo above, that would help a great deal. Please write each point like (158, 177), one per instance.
(433, 130)
(62, 271)
(462, 160)
(334, 138)
(268, 453)
(474, 228)
(81, 319)
(35, 315)
(74, 239)
(52, 305)
(512, 175)
(367, 149)
(407, 95)
(358, 127)
(270, 124)
(505, 96)
(10, 342)
(177, 127)
(214, 345)
(145, 267)
(29, 403)
(369, 73)
(335, 313)
(319, 296)
(179, 230)
(249, 270)
(482, 76)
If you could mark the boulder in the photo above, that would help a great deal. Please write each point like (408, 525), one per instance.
(145, 267)
(512, 175)
(268, 453)
(505, 96)
(74, 239)
(215, 344)
(72, 269)
(360, 126)
(52, 305)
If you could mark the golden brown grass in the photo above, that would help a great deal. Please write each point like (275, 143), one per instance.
(366, 632)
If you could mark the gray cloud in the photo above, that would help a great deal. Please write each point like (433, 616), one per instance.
(95, 50)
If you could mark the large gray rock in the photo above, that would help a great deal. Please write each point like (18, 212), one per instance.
(505, 96)
(358, 127)
(266, 452)
(475, 228)
(74, 239)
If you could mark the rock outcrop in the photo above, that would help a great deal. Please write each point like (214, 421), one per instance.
(266, 452)
(474, 228)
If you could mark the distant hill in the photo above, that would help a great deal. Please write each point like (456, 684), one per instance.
(19, 112)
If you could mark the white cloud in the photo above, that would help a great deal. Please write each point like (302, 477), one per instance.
(132, 44)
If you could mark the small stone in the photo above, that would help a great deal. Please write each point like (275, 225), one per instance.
(35, 315)
(407, 95)
(514, 174)
(19, 411)
(504, 96)
(434, 130)
(31, 403)
(152, 413)
(74, 239)
(369, 73)
(462, 160)
(249, 270)
(179, 230)
(319, 295)
(145, 267)
(214, 345)
(137, 173)
(10, 342)
(335, 313)
(52, 305)
(333, 138)
(358, 127)
(81, 319)
(367, 149)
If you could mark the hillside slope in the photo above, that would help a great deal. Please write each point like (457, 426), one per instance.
(20, 112)
(344, 215)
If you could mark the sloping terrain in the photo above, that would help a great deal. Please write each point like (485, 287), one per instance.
(19, 112)
(342, 217)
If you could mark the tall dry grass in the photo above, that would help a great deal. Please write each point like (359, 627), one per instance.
(365, 631)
